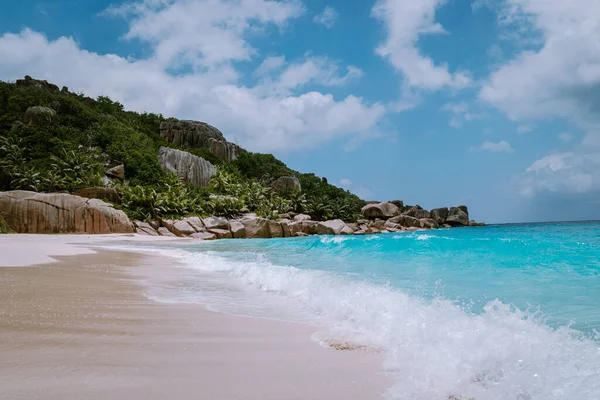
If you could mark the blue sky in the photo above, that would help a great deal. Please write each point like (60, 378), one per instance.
(437, 102)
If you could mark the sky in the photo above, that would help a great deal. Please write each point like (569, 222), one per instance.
(490, 103)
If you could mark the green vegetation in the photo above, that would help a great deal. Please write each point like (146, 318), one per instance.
(3, 227)
(73, 148)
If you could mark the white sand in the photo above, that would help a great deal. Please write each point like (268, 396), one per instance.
(82, 329)
(24, 250)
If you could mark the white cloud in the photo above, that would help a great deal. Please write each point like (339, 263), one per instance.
(405, 21)
(461, 114)
(202, 33)
(258, 119)
(562, 76)
(565, 137)
(345, 182)
(524, 128)
(570, 172)
(499, 147)
(328, 17)
(269, 65)
(557, 77)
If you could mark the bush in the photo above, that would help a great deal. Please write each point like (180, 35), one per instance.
(3, 227)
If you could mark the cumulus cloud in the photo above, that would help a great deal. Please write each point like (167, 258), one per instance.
(558, 77)
(327, 17)
(202, 33)
(405, 21)
(345, 182)
(461, 114)
(568, 172)
(273, 115)
(562, 77)
(494, 147)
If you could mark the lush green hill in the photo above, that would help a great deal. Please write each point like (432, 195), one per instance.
(72, 148)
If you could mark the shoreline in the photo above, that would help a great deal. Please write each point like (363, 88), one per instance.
(81, 327)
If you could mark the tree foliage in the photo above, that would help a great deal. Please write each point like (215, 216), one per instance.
(72, 150)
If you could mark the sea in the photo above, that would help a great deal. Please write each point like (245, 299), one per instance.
(503, 312)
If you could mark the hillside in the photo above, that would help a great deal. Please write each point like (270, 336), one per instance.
(52, 140)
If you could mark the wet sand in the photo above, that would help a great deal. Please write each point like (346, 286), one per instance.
(81, 328)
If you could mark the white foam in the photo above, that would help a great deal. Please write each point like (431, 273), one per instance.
(434, 349)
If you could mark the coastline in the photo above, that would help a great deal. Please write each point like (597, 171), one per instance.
(81, 327)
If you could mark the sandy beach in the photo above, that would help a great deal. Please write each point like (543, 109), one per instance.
(76, 325)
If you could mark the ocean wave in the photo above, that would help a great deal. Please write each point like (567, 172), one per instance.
(435, 349)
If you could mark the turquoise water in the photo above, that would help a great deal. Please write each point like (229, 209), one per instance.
(499, 312)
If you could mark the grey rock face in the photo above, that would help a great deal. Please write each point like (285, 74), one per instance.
(429, 223)
(39, 115)
(199, 134)
(334, 227)
(287, 184)
(439, 214)
(193, 170)
(417, 212)
(380, 210)
(457, 217)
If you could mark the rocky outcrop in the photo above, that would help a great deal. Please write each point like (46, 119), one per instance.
(457, 217)
(302, 217)
(335, 227)
(144, 228)
(439, 214)
(216, 223)
(238, 230)
(31, 212)
(39, 115)
(380, 210)
(417, 212)
(428, 223)
(287, 184)
(28, 81)
(406, 221)
(100, 192)
(199, 134)
(117, 172)
(191, 169)
(256, 227)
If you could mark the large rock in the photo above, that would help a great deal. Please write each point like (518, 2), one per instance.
(286, 184)
(100, 192)
(216, 223)
(222, 233)
(302, 217)
(204, 236)
(196, 223)
(439, 214)
(305, 227)
(256, 227)
(31, 212)
(275, 229)
(406, 221)
(285, 227)
(464, 209)
(182, 228)
(144, 228)
(417, 212)
(193, 170)
(39, 115)
(28, 81)
(116, 172)
(380, 210)
(428, 223)
(334, 227)
(199, 134)
(163, 231)
(457, 217)
(238, 230)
